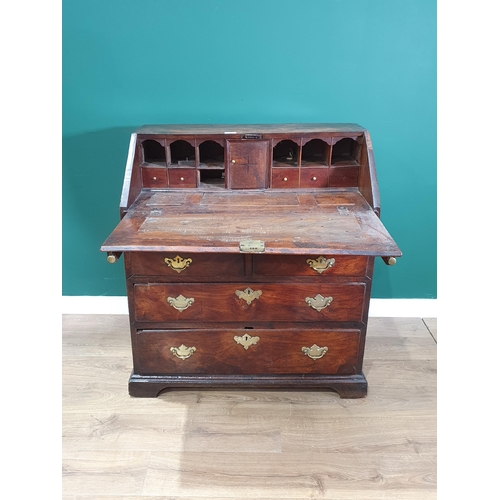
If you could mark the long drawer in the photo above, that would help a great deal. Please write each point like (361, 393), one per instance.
(249, 302)
(242, 351)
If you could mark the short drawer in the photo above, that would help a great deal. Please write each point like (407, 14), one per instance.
(285, 177)
(154, 177)
(309, 265)
(314, 177)
(180, 266)
(182, 177)
(242, 351)
(246, 302)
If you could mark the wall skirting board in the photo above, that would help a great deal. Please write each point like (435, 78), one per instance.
(398, 308)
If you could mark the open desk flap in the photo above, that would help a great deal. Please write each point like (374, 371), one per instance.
(271, 221)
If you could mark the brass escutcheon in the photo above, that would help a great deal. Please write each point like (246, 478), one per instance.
(315, 351)
(182, 351)
(246, 340)
(178, 263)
(320, 264)
(248, 295)
(319, 302)
(180, 303)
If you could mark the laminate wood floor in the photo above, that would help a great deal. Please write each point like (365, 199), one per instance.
(201, 444)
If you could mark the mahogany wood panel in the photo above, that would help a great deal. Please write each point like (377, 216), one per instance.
(217, 352)
(277, 302)
(335, 222)
(344, 176)
(248, 163)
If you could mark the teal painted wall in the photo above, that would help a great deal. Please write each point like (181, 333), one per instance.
(127, 63)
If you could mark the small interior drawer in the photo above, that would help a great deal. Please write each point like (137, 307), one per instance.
(313, 177)
(154, 177)
(285, 177)
(182, 177)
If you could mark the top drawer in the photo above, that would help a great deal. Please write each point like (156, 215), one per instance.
(312, 265)
(183, 266)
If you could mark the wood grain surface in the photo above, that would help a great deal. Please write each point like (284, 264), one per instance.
(232, 444)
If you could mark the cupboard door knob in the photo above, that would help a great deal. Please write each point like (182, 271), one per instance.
(182, 178)
(233, 161)
(314, 178)
(285, 178)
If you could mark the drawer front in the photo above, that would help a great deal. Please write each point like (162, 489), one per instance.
(285, 178)
(241, 351)
(312, 265)
(180, 266)
(314, 177)
(182, 177)
(154, 177)
(249, 302)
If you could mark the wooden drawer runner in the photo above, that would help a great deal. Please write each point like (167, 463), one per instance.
(267, 351)
(304, 265)
(183, 265)
(249, 302)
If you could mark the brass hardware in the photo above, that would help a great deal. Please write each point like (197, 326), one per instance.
(320, 264)
(178, 264)
(180, 303)
(113, 257)
(319, 302)
(315, 351)
(252, 246)
(246, 340)
(390, 261)
(182, 351)
(248, 295)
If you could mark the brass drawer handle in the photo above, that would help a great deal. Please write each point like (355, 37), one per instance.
(320, 264)
(180, 303)
(248, 295)
(315, 351)
(182, 351)
(319, 302)
(178, 263)
(246, 340)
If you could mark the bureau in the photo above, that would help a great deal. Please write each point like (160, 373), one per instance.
(249, 254)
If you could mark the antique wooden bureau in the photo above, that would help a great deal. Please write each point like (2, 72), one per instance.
(249, 253)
